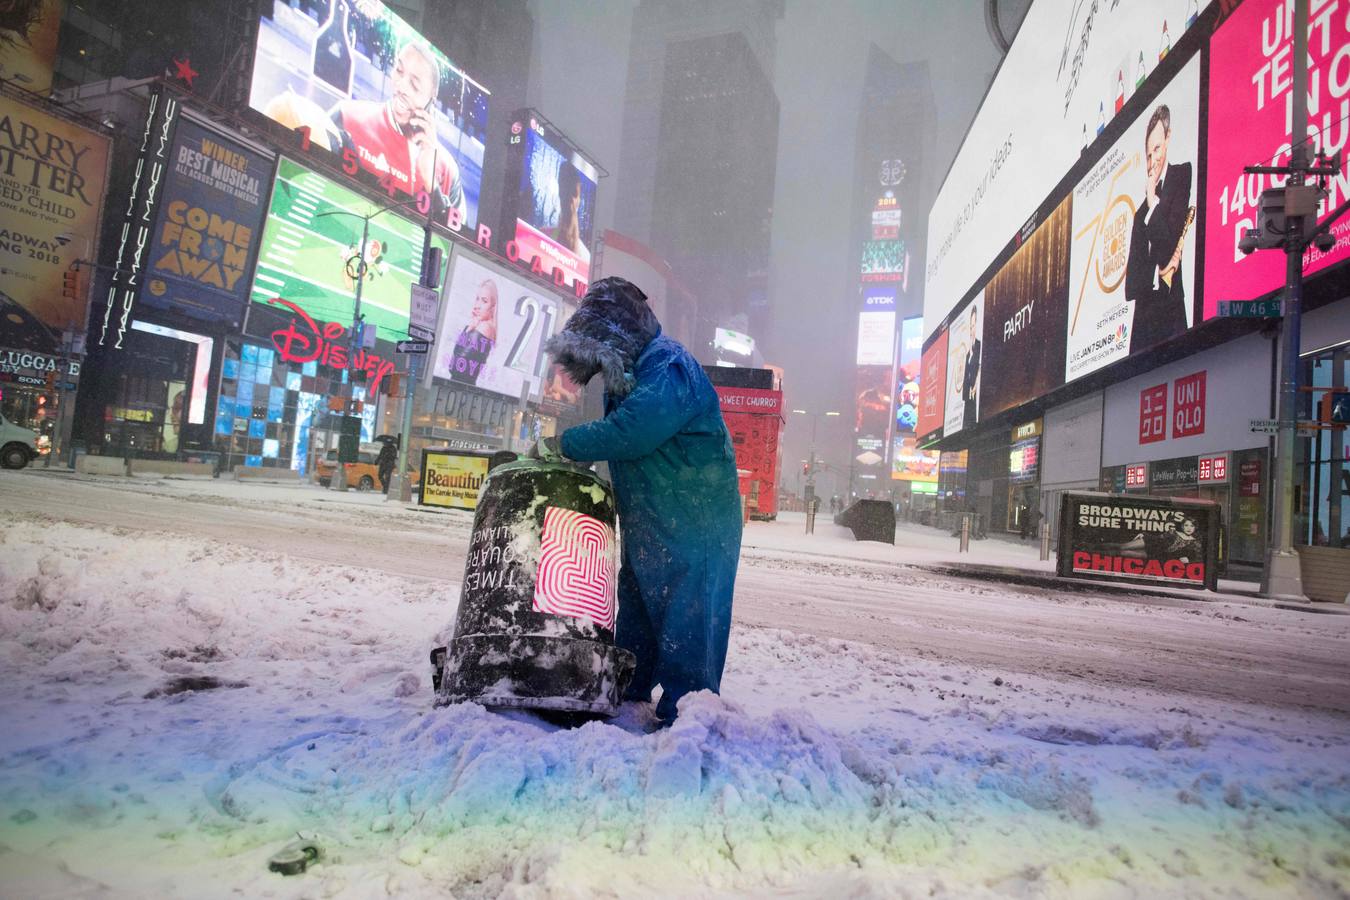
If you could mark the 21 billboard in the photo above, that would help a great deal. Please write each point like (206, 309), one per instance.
(1249, 82)
(209, 221)
(554, 204)
(310, 253)
(361, 83)
(1132, 269)
(493, 328)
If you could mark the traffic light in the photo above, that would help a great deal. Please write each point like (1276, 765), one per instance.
(70, 284)
(431, 267)
(1335, 408)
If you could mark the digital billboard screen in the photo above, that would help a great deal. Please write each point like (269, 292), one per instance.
(908, 463)
(965, 355)
(1249, 82)
(883, 261)
(361, 83)
(1132, 268)
(932, 386)
(1024, 306)
(493, 328)
(1073, 67)
(554, 202)
(209, 220)
(310, 253)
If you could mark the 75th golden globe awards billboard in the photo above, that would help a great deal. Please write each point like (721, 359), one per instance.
(52, 178)
(28, 35)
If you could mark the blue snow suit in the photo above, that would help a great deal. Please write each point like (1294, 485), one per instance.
(675, 487)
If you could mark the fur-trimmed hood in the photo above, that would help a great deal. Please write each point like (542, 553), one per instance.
(606, 335)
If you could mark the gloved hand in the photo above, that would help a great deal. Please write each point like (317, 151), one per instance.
(548, 449)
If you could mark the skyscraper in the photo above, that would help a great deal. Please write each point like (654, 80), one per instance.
(700, 145)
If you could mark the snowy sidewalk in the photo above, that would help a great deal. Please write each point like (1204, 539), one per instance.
(179, 704)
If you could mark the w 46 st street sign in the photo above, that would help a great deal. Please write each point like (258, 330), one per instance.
(1251, 309)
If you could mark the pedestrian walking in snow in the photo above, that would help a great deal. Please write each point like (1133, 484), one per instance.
(385, 462)
(674, 473)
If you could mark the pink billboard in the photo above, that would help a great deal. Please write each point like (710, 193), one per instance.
(1250, 79)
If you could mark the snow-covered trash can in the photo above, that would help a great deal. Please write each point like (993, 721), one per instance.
(535, 627)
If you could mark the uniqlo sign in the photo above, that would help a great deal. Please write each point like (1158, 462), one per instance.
(1188, 405)
(1136, 476)
(1212, 469)
(1153, 414)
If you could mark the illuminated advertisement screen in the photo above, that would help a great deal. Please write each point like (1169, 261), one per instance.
(876, 326)
(883, 261)
(1247, 84)
(886, 218)
(361, 83)
(1073, 67)
(872, 408)
(1025, 304)
(50, 210)
(1132, 267)
(908, 463)
(209, 219)
(555, 201)
(932, 386)
(493, 328)
(310, 253)
(965, 355)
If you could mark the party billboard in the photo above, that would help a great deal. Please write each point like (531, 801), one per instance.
(1025, 303)
(209, 220)
(1249, 82)
(358, 81)
(52, 177)
(1132, 268)
(965, 355)
(28, 36)
(550, 199)
(311, 253)
(1073, 67)
(493, 328)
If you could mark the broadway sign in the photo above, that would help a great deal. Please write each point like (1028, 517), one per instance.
(1141, 540)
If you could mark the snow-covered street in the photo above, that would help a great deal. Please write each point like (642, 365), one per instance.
(198, 670)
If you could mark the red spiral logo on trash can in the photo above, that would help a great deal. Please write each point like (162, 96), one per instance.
(576, 567)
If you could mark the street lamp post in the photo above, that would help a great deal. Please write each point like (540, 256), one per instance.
(811, 465)
(356, 335)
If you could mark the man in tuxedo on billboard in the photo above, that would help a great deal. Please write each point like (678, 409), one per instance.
(1153, 271)
(970, 384)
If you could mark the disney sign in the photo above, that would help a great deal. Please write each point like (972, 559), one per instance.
(304, 340)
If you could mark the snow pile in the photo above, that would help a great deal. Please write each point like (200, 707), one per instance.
(176, 709)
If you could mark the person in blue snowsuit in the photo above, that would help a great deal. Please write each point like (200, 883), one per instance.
(675, 489)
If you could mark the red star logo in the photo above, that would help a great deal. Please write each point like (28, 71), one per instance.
(185, 70)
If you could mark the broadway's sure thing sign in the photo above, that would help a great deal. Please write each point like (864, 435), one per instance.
(1143, 540)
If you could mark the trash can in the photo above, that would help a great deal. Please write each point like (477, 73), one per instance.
(535, 627)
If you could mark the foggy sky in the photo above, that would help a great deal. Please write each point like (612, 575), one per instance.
(578, 70)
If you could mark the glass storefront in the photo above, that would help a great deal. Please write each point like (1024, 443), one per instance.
(1323, 478)
(276, 414)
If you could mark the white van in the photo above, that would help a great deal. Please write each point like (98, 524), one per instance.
(18, 446)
